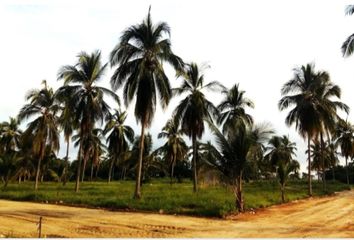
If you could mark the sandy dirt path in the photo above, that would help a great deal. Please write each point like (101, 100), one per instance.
(320, 217)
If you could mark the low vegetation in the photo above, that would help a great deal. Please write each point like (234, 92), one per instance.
(160, 196)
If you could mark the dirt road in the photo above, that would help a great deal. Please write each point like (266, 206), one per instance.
(320, 217)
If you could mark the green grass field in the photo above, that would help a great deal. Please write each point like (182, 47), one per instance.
(159, 194)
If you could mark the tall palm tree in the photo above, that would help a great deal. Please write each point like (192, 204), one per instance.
(300, 93)
(348, 44)
(175, 149)
(344, 136)
(44, 128)
(195, 108)
(139, 58)
(234, 150)
(85, 96)
(119, 137)
(68, 124)
(327, 107)
(232, 108)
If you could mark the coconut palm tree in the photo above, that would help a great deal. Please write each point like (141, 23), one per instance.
(326, 91)
(233, 108)
(43, 130)
(86, 97)
(139, 58)
(119, 137)
(344, 136)
(10, 135)
(300, 93)
(175, 149)
(234, 151)
(68, 124)
(348, 44)
(195, 108)
(284, 168)
(280, 149)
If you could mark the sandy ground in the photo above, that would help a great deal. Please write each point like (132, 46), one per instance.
(319, 217)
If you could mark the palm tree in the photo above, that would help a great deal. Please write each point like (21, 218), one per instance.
(85, 96)
(232, 108)
(10, 135)
(139, 56)
(332, 157)
(175, 149)
(68, 124)
(304, 114)
(234, 151)
(348, 44)
(280, 149)
(317, 156)
(119, 137)
(10, 143)
(327, 107)
(284, 168)
(44, 128)
(195, 108)
(344, 136)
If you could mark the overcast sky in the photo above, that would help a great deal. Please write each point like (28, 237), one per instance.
(253, 43)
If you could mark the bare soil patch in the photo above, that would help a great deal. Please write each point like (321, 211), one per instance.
(331, 216)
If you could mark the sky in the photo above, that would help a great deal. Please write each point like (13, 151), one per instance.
(256, 44)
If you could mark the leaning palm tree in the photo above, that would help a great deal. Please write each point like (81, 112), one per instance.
(348, 44)
(344, 136)
(175, 149)
(139, 56)
(43, 130)
(86, 97)
(195, 108)
(233, 108)
(119, 137)
(300, 93)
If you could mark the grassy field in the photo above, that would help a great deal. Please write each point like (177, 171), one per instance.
(160, 195)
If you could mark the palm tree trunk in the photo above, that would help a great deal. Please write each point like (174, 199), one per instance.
(65, 171)
(333, 175)
(194, 164)
(77, 185)
(309, 167)
(172, 169)
(97, 169)
(7, 178)
(282, 189)
(110, 170)
(137, 194)
(239, 197)
(41, 155)
(91, 175)
(86, 155)
(323, 163)
(346, 169)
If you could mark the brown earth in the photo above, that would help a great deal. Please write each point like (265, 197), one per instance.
(318, 217)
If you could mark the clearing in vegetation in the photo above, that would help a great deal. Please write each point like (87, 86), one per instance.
(330, 216)
(159, 195)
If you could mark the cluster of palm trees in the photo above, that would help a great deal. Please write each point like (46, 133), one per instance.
(80, 111)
